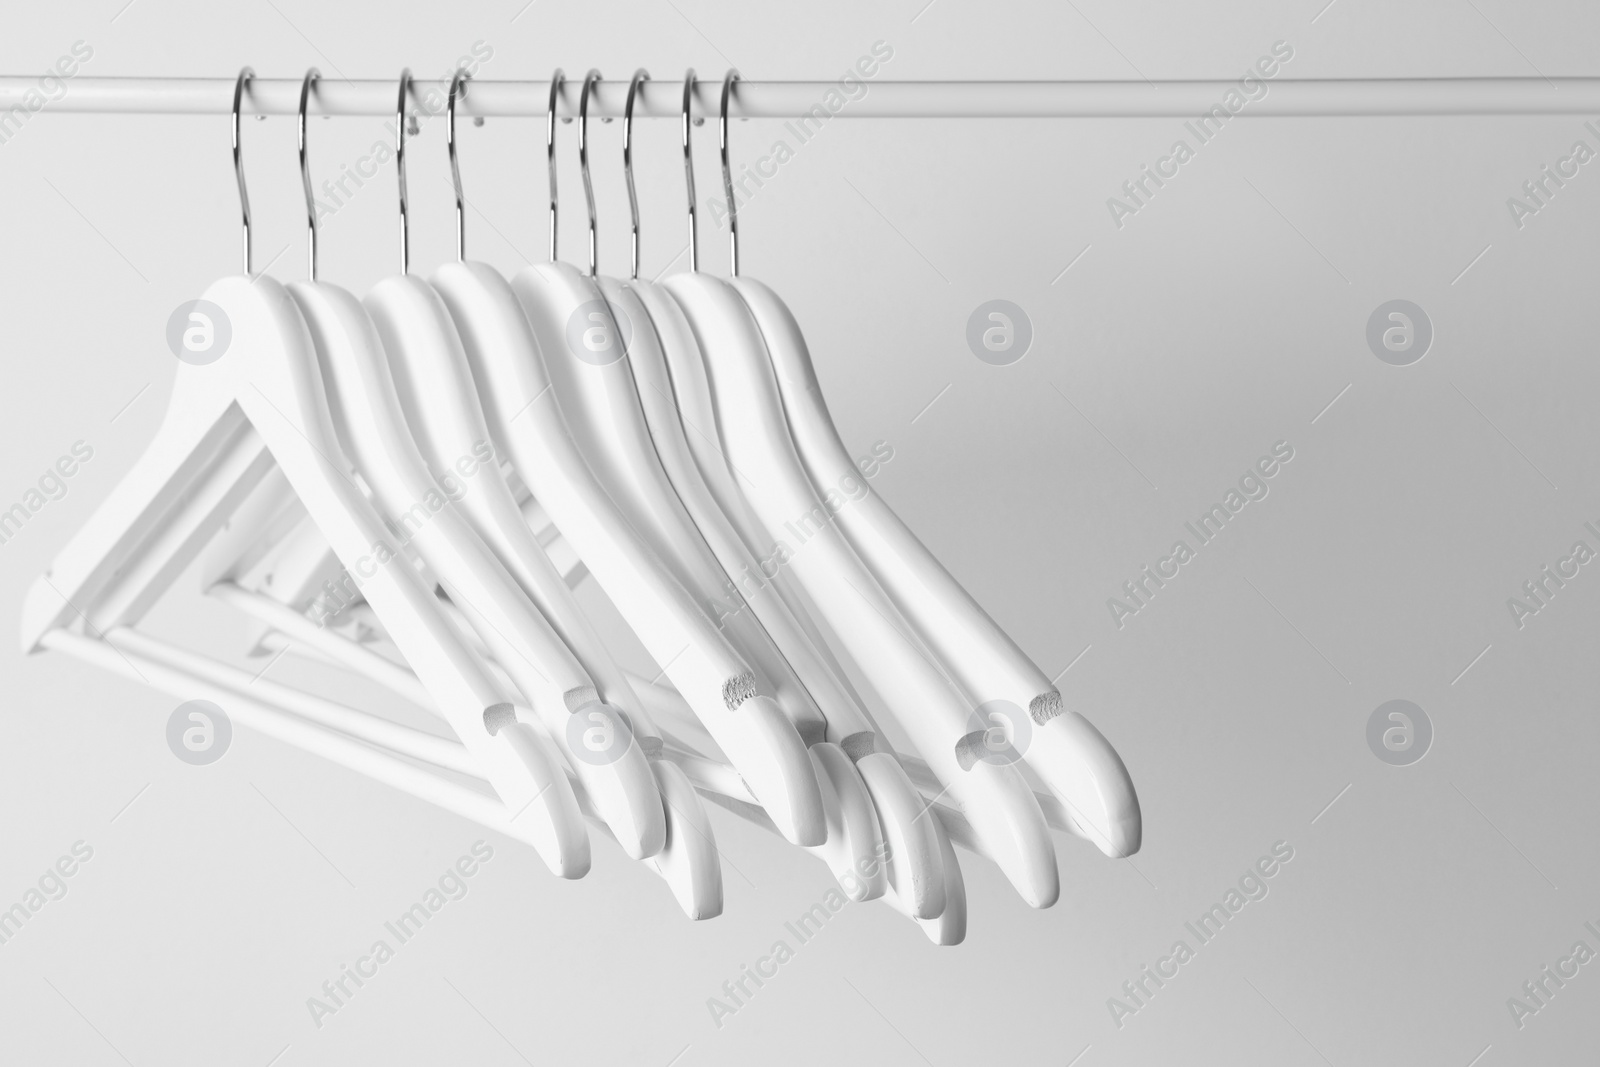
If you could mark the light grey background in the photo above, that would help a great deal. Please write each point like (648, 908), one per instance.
(1220, 319)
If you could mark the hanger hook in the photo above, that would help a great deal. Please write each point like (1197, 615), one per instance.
(688, 168)
(727, 176)
(590, 80)
(305, 171)
(457, 85)
(640, 75)
(246, 75)
(550, 152)
(400, 166)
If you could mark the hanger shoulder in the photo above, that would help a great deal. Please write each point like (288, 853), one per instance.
(504, 329)
(1075, 760)
(933, 712)
(543, 668)
(279, 385)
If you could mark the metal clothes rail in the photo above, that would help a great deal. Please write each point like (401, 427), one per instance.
(1284, 97)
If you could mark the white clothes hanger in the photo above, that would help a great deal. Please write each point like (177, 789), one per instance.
(1073, 759)
(368, 415)
(601, 406)
(993, 794)
(935, 716)
(696, 883)
(949, 927)
(509, 372)
(446, 419)
(912, 839)
(645, 402)
(447, 422)
(692, 652)
(690, 407)
(265, 396)
(596, 394)
(253, 468)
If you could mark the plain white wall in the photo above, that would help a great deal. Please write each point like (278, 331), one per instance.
(1220, 319)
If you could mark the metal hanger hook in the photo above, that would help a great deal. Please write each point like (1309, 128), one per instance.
(727, 175)
(305, 171)
(688, 167)
(590, 80)
(457, 82)
(246, 75)
(400, 166)
(639, 76)
(556, 81)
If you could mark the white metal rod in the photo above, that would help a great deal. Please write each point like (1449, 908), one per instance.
(864, 98)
